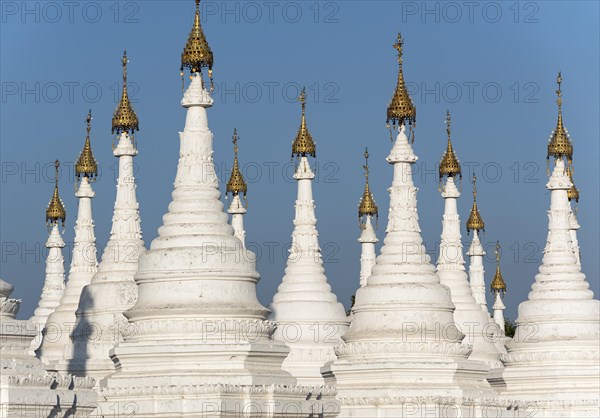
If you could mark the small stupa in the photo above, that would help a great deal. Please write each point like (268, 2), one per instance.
(308, 316)
(474, 225)
(236, 186)
(54, 282)
(367, 210)
(498, 288)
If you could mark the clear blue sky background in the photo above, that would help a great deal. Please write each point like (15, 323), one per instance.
(493, 66)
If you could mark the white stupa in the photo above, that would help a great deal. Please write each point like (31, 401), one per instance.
(403, 354)
(56, 343)
(54, 282)
(553, 362)
(235, 186)
(100, 321)
(367, 210)
(476, 253)
(469, 317)
(475, 224)
(498, 288)
(309, 318)
(202, 346)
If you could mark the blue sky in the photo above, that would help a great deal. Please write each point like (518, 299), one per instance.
(492, 64)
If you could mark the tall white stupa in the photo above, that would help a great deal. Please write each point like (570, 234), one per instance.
(56, 343)
(553, 361)
(469, 317)
(403, 353)
(100, 321)
(202, 345)
(367, 210)
(54, 282)
(236, 186)
(308, 316)
(476, 253)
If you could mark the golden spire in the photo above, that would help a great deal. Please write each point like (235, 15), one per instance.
(196, 53)
(236, 183)
(401, 108)
(303, 145)
(124, 118)
(560, 145)
(367, 205)
(498, 284)
(573, 192)
(475, 221)
(449, 165)
(56, 209)
(86, 164)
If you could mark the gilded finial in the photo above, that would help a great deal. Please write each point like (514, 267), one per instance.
(124, 119)
(449, 164)
(367, 205)
(475, 221)
(196, 53)
(303, 145)
(573, 192)
(560, 145)
(86, 165)
(56, 209)
(401, 108)
(498, 284)
(236, 183)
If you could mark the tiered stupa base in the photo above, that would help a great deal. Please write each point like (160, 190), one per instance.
(554, 378)
(220, 369)
(305, 361)
(218, 400)
(26, 389)
(395, 379)
(555, 383)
